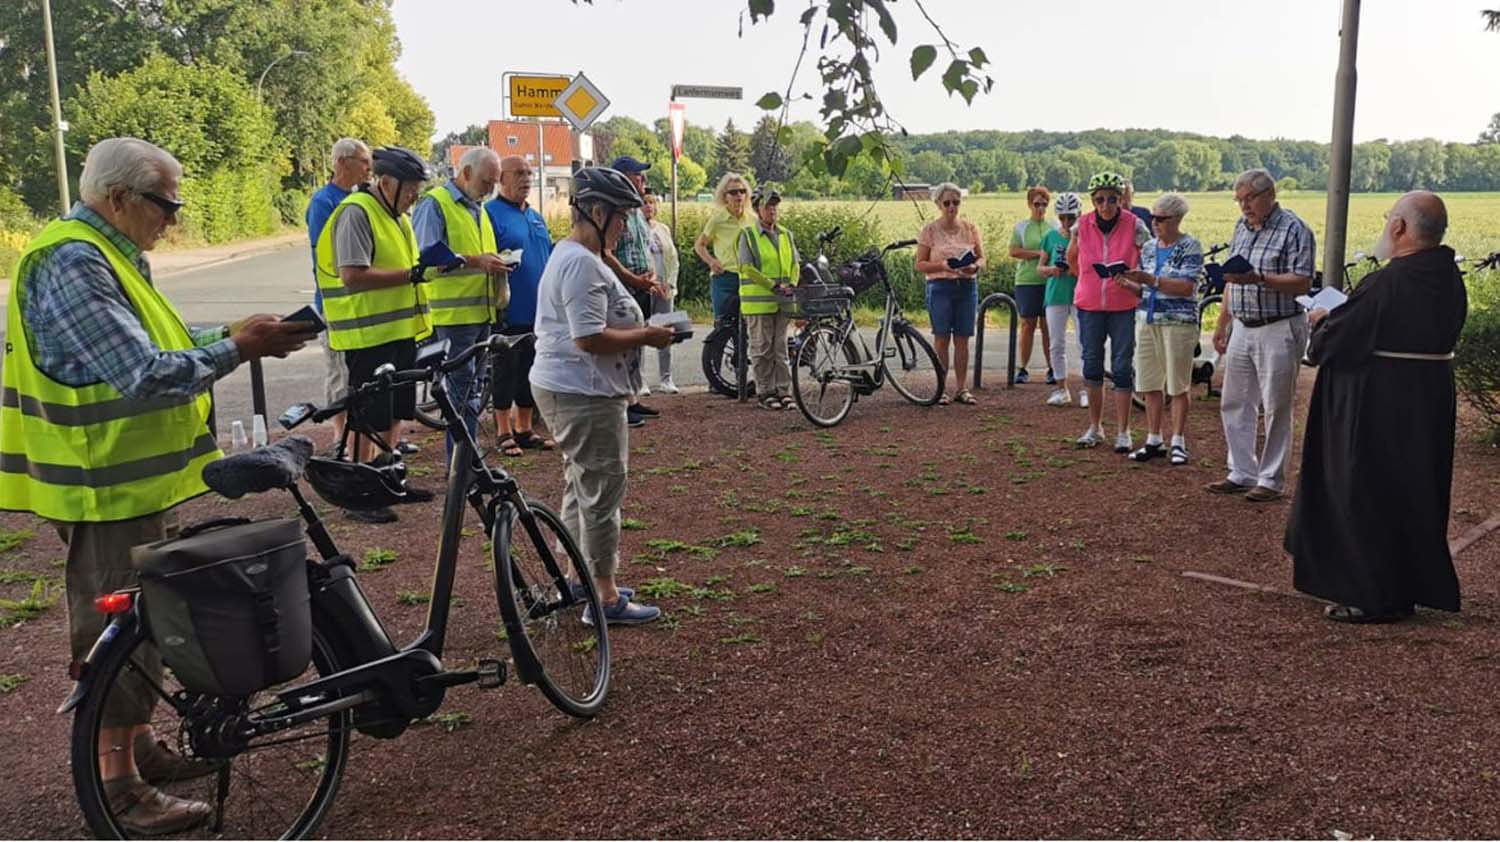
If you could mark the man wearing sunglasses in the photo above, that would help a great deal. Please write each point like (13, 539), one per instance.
(103, 429)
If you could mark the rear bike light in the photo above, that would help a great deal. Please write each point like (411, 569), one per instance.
(114, 603)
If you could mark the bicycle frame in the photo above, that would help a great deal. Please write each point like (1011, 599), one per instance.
(871, 366)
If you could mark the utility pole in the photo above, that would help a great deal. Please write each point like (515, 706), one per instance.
(57, 121)
(1341, 156)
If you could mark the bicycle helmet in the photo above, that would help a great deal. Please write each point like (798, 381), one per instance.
(1068, 203)
(402, 164)
(352, 485)
(765, 194)
(602, 184)
(1107, 181)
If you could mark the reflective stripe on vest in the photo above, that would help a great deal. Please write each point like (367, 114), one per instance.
(773, 265)
(88, 453)
(375, 316)
(463, 296)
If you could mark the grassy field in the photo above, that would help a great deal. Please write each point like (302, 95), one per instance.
(1474, 218)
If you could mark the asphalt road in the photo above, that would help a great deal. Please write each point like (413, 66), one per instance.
(281, 281)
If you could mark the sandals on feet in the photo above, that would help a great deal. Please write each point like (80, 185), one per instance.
(770, 402)
(509, 447)
(529, 440)
(944, 400)
(1179, 455)
(965, 397)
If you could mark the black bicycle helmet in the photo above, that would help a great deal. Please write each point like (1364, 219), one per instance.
(352, 485)
(602, 184)
(402, 164)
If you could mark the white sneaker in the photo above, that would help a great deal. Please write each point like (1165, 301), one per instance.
(1083, 398)
(1090, 438)
(1060, 397)
(645, 391)
(1124, 443)
(667, 387)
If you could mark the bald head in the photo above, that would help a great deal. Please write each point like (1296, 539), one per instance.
(1425, 212)
(515, 179)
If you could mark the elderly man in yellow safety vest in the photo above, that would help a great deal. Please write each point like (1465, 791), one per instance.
(768, 270)
(104, 429)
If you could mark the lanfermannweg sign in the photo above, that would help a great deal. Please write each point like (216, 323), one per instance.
(533, 96)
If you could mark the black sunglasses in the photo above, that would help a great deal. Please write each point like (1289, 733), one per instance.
(1106, 200)
(1155, 218)
(169, 208)
(736, 191)
(950, 203)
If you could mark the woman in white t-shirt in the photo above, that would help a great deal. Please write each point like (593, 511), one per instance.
(588, 329)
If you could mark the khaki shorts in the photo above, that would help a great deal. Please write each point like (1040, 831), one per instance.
(336, 379)
(1164, 357)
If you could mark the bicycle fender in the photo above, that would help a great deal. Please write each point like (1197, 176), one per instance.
(120, 624)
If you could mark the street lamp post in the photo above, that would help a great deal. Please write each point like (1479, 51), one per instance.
(57, 120)
(260, 83)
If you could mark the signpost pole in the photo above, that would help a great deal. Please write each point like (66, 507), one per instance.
(541, 169)
(672, 129)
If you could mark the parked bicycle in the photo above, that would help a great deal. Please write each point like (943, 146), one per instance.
(270, 760)
(834, 365)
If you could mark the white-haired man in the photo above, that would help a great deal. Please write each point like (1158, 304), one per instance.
(103, 429)
(1269, 333)
(351, 168)
(464, 300)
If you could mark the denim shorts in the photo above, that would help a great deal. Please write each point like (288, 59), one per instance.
(723, 289)
(1095, 326)
(952, 306)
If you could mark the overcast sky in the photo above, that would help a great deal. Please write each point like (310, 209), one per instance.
(1262, 68)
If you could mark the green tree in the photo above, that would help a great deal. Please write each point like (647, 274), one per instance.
(1010, 171)
(768, 159)
(733, 151)
(1370, 166)
(475, 135)
(1417, 164)
(929, 167)
(690, 177)
(1491, 133)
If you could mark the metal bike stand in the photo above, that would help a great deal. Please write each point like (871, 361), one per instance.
(989, 301)
(741, 364)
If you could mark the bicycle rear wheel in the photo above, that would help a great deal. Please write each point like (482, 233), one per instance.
(917, 372)
(553, 617)
(821, 384)
(719, 363)
(280, 785)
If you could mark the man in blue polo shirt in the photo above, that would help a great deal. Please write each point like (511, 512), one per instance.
(518, 227)
(351, 168)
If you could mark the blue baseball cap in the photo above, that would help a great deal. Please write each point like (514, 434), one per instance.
(627, 164)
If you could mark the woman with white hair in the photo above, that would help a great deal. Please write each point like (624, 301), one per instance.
(718, 245)
(950, 255)
(1166, 325)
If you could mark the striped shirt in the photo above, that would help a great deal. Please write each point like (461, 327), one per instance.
(633, 249)
(82, 328)
(1283, 245)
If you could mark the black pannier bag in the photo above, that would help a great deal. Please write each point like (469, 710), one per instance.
(228, 604)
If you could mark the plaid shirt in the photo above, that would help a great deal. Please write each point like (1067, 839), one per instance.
(633, 250)
(83, 328)
(1283, 245)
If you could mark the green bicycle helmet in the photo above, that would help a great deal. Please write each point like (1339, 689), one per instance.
(1107, 181)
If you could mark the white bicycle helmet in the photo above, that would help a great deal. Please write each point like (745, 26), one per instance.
(1068, 203)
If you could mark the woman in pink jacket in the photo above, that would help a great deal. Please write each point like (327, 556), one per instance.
(1105, 239)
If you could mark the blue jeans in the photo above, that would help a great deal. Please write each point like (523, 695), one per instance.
(1095, 326)
(952, 305)
(461, 381)
(723, 289)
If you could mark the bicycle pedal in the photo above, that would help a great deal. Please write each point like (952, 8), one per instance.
(491, 674)
(889, 353)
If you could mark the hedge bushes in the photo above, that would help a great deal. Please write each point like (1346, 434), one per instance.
(860, 233)
(228, 205)
(1477, 362)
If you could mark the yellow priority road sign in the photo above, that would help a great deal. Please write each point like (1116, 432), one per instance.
(581, 103)
(533, 96)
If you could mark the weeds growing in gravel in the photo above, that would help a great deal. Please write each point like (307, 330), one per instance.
(14, 539)
(9, 681)
(376, 558)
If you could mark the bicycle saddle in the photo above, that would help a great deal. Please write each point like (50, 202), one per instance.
(262, 469)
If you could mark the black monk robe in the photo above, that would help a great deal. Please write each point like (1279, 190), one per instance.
(1369, 525)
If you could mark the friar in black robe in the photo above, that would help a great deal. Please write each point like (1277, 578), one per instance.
(1369, 525)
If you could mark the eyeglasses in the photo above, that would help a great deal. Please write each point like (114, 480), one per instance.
(736, 191)
(949, 203)
(1106, 200)
(169, 207)
(1159, 219)
(1250, 198)
(1042, 205)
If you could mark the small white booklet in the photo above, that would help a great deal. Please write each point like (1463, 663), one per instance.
(677, 320)
(1327, 298)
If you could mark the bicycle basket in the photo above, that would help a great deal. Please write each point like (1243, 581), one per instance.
(822, 300)
(861, 273)
(228, 604)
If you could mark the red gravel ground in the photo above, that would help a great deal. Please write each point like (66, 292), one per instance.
(944, 623)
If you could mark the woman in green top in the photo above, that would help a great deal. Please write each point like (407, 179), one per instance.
(1026, 249)
(1061, 279)
(721, 234)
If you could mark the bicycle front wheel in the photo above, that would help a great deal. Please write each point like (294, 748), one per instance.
(719, 363)
(553, 617)
(915, 370)
(822, 383)
(280, 785)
